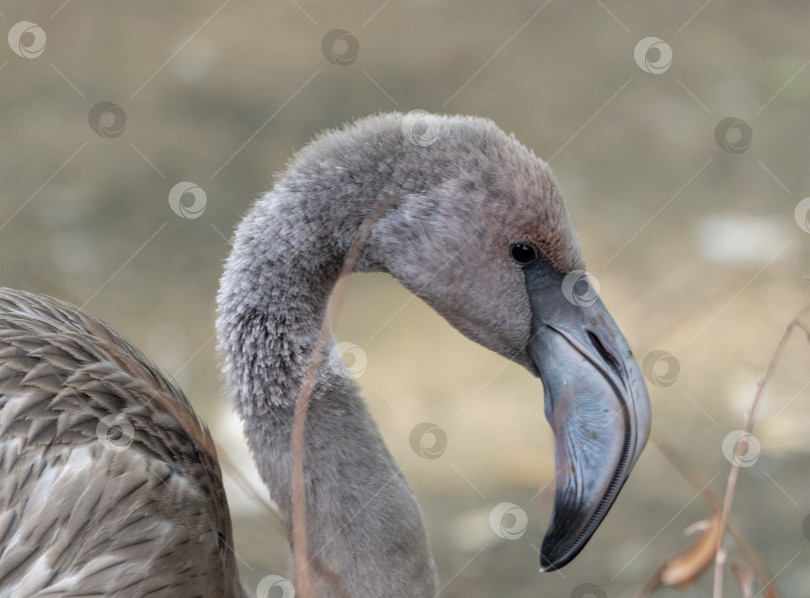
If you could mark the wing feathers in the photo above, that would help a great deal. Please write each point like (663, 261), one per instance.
(110, 482)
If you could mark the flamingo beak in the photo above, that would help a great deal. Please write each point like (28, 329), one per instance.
(595, 401)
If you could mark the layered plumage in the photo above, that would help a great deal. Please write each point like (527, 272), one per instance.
(110, 484)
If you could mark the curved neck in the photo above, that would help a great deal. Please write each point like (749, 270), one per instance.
(273, 299)
(287, 257)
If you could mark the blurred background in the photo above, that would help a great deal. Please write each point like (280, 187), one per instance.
(683, 159)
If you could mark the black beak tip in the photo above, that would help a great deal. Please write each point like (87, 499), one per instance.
(566, 537)
(552, 558)
(545, 564)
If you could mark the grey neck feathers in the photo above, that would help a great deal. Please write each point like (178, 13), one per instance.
(287, 255)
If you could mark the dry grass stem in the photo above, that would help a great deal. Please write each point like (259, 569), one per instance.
(297, 440)
(272, 514)
(752, 558)
(719, 561)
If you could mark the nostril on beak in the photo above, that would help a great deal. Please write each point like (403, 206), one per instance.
(607, 353)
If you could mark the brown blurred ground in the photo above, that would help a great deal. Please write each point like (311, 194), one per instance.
(710, 261)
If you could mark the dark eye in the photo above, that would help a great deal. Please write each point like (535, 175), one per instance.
(524, 253)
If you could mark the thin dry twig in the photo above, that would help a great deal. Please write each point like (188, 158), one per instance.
(272, 514)
(685, 469)
(719, 560)
(744, 578)
(297, 445)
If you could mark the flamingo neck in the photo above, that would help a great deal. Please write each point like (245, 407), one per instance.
(364, 528)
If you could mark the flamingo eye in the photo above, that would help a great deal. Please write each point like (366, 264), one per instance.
(524, 254)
